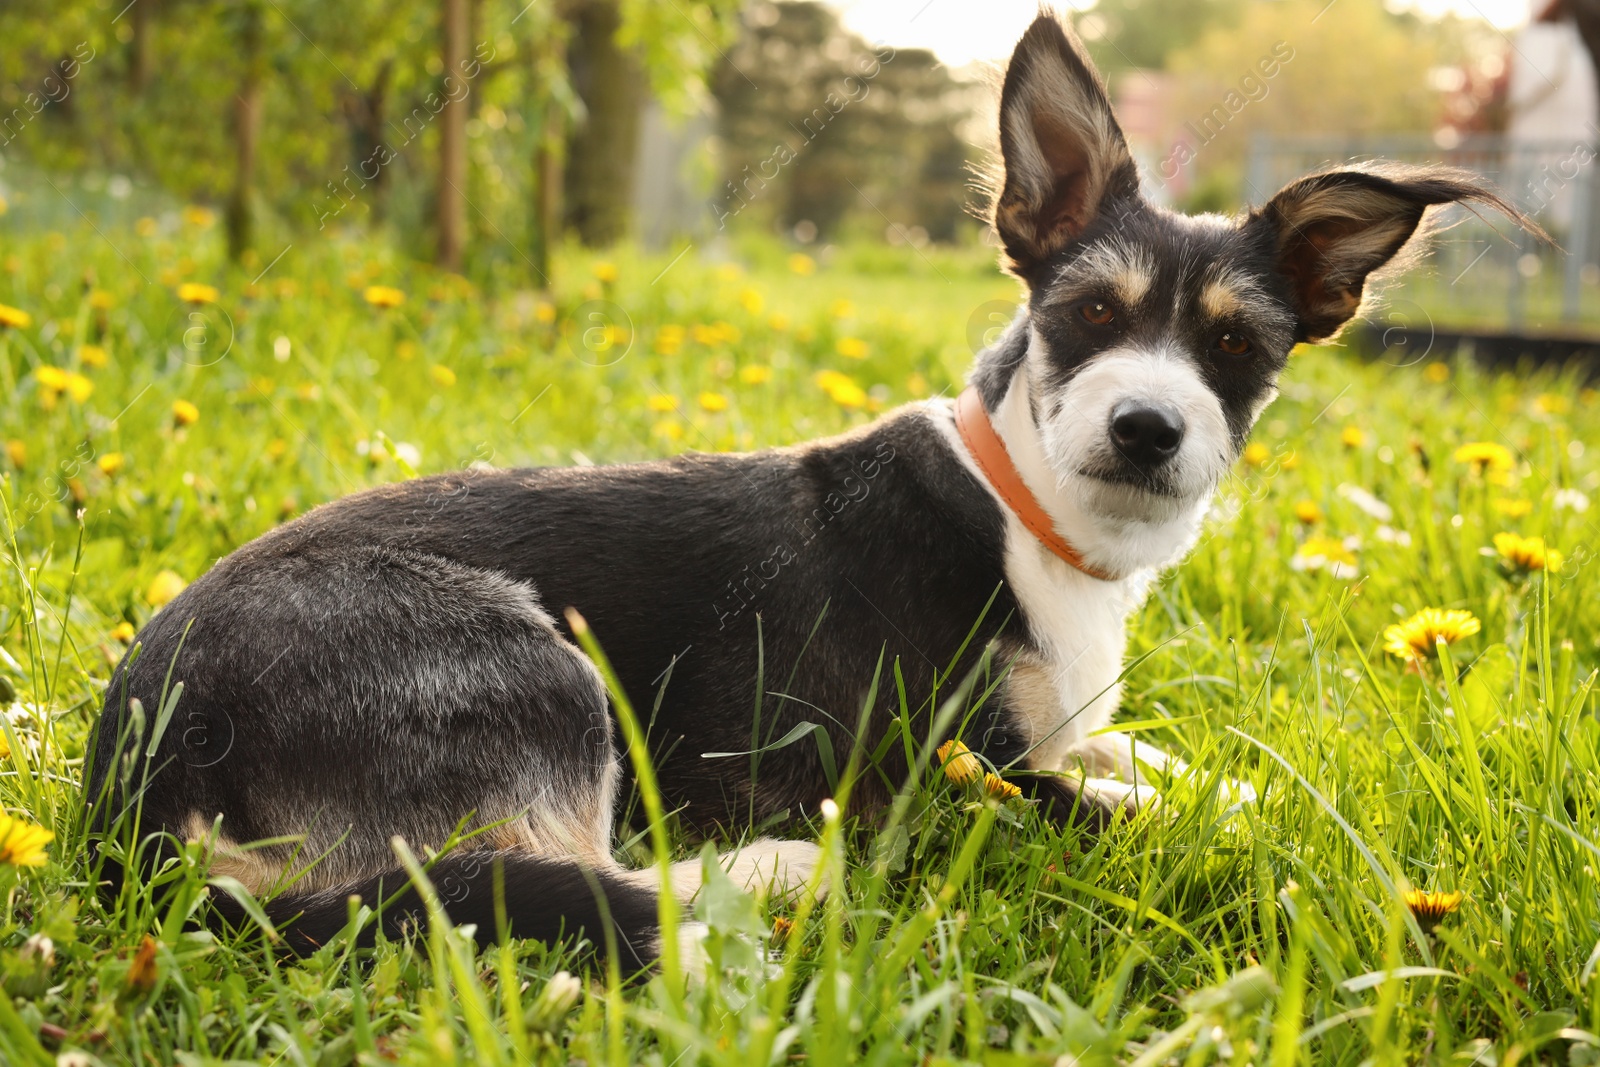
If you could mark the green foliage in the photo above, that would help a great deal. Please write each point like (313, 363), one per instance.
(956, 931)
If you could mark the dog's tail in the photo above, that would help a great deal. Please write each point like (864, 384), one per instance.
(542, 897)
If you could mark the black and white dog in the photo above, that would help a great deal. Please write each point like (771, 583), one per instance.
(396, 662)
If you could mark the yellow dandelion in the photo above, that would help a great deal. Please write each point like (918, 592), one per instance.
(851, 347)
(79, 387)
(52, 378)
(729, 272)
(778, 323)
(442, 376)
(1256, 454)
(1526, 553)
(662, 402)
(145, 227)
(93, 356)
(196, 293)
(1513, 508)
(184, 413)
(17, 453)
(668, 429)
(544, 312)
(163, 588)
(1551, 404)
(122, 632)
(1307, 512)
(101, 300)
(781, 929)
(5, 747)
(841, 309)
(383, 296)
(841, 389)
(111, 463)
(1437, 373)
(802, 264)
(1330, 553)
(1352, 437)
(755, 374)
(1485, 455)
(22, 843)
(605, 272)
(1290, 461)
(1418, 637)
(195, 215)
(752, 301)
(16, 318)
(713, 401)
(998, 788)
(960, 765)
(1430, 907)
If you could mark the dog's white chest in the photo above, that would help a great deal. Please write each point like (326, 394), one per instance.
(1068, 686)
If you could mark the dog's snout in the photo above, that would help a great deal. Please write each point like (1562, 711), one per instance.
(1147, 435)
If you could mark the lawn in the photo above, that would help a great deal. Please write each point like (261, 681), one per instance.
(151, 428)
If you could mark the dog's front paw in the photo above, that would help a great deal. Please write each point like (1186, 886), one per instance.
(768, 866)
(1092, 804)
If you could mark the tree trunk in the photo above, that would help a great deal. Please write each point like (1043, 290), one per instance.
(139, 46)
(546, 204)
(1586, 13)
(246, 131)
(452, 206)
(364, 113)
(602, 150)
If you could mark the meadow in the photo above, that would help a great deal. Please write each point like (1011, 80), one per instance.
(1416, 882)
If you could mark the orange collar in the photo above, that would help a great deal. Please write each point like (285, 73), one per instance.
(989, 452)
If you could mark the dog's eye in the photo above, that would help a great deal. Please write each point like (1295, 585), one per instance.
(1097, 312)
(1234, 343)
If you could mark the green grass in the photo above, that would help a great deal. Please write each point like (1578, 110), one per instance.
(956, 931)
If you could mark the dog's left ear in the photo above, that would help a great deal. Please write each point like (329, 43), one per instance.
(1333, 230)
(1063, 152)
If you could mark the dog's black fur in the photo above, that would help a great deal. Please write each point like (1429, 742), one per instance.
(396, 662)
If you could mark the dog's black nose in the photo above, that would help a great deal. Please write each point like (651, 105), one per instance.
(1145, 434)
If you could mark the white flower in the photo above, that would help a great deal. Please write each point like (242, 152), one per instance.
(1366, 502)
(408, 453)
(1572, 498)
(1390, 535)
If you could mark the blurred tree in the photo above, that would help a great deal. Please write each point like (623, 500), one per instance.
(1222, 91)
(1135, 34)
(247, 31)
(815, 122)
(600, 156)
(455, 20)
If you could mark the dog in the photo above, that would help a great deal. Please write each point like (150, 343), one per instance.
(397, 664)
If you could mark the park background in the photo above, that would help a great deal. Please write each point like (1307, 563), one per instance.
(257, 254)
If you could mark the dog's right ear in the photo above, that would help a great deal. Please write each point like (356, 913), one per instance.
(1062, 149)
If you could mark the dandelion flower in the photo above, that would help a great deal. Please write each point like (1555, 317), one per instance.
(841, 309)
(51, 378)
(14, 317)
(1524, 554)
(1512, 508)
(998, 788)
(605, 272)
(851, 348)
(195, 215)
(93, 356)
(163, 588)
(442, 376)
(752, 301)
(755, 374)
(1352, 437)
(1418, 636)
(101, 300)
(778, 323)
(713, 401)
(111, 463)
(17, 453)
(383, 296)
(960, 765)
(1256, 454)
(781, 929)
(22, 843)
(1330, 553)
(669, 339)
(802, 264)
(1485, 455)
(196, 293)
(184, 413)
(1431, 908)
(1307, 512)
(1437, 373)
(544, 312)
(122, 632)
(662, 402)
(841, 389)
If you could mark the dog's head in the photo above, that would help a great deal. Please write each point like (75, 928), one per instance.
(1151, 341)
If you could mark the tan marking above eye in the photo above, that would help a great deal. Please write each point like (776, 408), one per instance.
(1234, 343)
(1097, 312)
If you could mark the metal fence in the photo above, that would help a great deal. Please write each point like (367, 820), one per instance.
(1488, 272)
